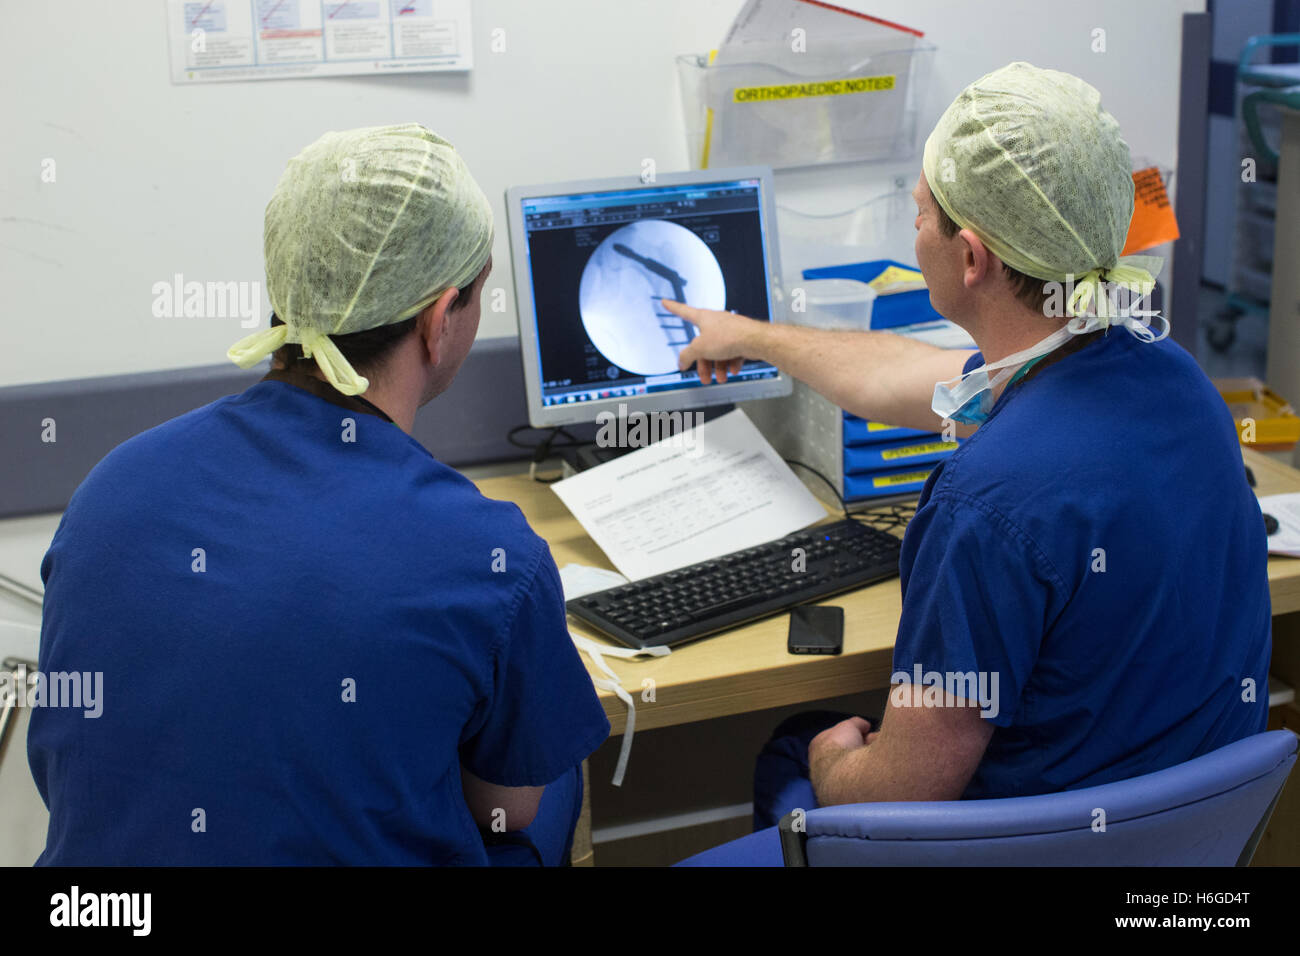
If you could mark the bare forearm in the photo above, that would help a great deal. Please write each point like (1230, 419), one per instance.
(921, 752)
(847, 776)
(876, 375)
(868, 775)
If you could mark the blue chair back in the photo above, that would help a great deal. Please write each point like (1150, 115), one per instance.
(1209, 811)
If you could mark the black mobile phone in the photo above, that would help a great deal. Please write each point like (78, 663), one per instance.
(816, 630)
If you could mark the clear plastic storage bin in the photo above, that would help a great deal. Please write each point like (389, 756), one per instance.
(880, 228)
(763, 113)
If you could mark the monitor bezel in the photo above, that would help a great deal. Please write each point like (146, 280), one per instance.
(540, 416)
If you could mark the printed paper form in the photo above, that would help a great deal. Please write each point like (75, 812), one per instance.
(1286, 509)
(216, 40)
(689, 498)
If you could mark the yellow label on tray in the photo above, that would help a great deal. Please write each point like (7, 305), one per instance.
(887, 481)
(879, 427)
(796, 91)
(894, 279)
(911, 451)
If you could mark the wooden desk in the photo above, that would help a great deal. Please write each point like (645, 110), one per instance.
(749, 669)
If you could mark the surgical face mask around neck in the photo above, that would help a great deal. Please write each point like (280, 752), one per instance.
(971, 400)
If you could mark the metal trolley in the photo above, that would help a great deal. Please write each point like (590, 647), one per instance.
(1250, 275)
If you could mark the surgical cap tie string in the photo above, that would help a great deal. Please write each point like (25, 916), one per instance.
(251, 349)
(338, 371)
(1129, 271)
(1088, 287)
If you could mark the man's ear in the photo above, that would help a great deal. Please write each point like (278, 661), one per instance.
(432, 324)
(976, 259)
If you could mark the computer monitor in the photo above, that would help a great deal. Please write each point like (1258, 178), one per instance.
(592, 260)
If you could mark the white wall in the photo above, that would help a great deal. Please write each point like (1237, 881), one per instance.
(155, 179)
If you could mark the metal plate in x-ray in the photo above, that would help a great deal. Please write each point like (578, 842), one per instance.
(623, 282)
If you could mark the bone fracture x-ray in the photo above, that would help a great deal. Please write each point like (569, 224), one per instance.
(625, 279)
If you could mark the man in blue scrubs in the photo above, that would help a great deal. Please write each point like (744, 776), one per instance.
(318, 644)
(1084, 588)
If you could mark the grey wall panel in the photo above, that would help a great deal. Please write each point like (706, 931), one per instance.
(467, 425)
(90, 417)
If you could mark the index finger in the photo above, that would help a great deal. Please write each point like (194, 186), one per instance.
(687, 312)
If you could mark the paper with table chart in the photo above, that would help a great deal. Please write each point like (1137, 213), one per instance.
(213, 40)
(690, 497)
(1286, 509)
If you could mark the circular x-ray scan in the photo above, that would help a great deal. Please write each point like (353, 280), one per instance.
(623, 282)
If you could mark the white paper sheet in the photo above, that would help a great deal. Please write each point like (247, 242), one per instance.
(689, 498)
(215, 40)
(770, 22)
(1286, 509)
(579, 580)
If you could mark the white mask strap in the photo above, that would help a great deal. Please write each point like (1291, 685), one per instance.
(597, 653)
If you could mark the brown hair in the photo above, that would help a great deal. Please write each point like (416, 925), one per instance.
(367, 350)
(1027, 289)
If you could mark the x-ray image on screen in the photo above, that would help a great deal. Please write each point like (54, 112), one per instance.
(594, 266)
(625, 279)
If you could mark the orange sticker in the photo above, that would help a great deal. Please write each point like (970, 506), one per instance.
(1153, 220)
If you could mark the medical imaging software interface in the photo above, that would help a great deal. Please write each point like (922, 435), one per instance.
(602, 262)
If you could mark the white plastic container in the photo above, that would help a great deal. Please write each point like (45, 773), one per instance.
(833, 304)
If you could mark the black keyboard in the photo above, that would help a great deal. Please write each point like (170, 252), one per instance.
(742, 586)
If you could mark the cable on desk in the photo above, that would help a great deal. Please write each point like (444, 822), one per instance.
(887, 517)
(829, 484)
(542, 450)
(883, 517)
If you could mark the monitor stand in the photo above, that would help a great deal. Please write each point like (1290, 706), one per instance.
(581, 457)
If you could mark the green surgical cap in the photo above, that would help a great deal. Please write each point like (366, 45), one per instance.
(366, 228)
(1029, 161)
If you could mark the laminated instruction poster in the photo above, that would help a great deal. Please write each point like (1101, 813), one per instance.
(214, 40)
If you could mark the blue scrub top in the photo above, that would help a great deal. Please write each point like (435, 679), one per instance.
(359, 623)
(1096, 546)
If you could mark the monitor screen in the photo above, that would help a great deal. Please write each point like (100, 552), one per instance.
(598, 265)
